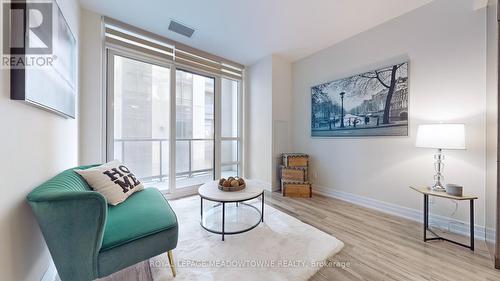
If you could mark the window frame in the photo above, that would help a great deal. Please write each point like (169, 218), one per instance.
(239, 137)
(110, 50)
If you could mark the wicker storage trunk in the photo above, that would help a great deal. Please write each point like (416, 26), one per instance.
(296, 189)
(294, 173)
(295, 160)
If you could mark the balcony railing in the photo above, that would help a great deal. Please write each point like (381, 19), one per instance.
(189, 172)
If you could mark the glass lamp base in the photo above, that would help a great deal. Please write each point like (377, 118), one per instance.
(438, 187)
(438, 166)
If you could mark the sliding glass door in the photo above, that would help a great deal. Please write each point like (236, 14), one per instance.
(175, 128)
(194, 128)
(138, 116)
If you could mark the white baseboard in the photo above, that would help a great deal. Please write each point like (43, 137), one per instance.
(51, 273)
(459, 227)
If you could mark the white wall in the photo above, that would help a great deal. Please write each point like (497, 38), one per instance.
(445, 42)
(268, 119)
(34, 146)
(259, 121)
(281, 112)
(91, 99)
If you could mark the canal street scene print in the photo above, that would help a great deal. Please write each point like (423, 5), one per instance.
(374, 103)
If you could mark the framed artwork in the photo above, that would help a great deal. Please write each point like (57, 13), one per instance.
(47, 77)
(374, 103)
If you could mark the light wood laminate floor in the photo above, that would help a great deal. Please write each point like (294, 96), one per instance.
(379, 246)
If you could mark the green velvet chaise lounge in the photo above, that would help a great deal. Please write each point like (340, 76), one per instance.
(89, 239)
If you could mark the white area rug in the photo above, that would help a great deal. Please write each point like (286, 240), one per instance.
(282, 248)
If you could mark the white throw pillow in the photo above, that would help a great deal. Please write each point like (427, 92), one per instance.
(113, 180)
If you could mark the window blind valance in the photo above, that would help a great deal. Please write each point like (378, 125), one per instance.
(124, 35)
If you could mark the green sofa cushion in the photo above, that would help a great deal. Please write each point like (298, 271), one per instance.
(136, 251)
(144, 213)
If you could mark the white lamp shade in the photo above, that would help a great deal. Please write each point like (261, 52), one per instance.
(443, 136)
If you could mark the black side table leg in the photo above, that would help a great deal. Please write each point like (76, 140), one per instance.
(472, 225)
(426, 216)
(223, 218)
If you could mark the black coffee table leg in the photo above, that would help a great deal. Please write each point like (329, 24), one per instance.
(201, 209)
(222, 230)
(262, 213)
(472, 225)
(426, 216)
(223, 218)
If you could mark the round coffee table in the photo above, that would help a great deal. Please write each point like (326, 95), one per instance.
(242, 215)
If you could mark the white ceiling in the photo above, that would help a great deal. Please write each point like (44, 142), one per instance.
(247, 30)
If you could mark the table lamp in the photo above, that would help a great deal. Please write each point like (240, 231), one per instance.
(440, 136)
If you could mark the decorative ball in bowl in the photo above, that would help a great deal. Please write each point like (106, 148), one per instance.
(232, 184)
